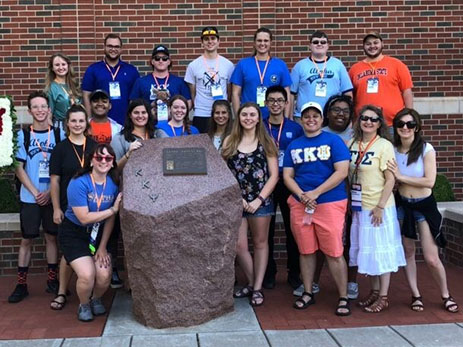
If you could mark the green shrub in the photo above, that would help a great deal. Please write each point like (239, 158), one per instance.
(442, 189)
(8, 201)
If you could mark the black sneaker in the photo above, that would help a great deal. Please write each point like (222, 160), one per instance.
(116, 282)
(52, 286)
(19, 293)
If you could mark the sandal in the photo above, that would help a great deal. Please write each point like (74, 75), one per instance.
(343, 309)
(417, 304)
(58, 305)
(450, 305)
(371, 298)
(304, 304)
(380, 304)
(243, 292)
(257, 298)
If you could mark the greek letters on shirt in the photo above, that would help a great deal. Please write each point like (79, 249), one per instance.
(315, 75)
(368, 73)
(208, 81)
(366, 158)
(310, 154)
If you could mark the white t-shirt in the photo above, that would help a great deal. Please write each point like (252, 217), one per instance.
(415, 169)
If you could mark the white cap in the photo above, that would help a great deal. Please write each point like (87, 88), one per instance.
(312, 104)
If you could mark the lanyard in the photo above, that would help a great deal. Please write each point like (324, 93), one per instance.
(81, 160)
(99, 199)
(113, 75)
(212, 73)
(277, 140)
(44, 154)
(362, 154)
(144, 137)
(373, 67)
(173, 130)
(262, 74)
(69, 95)
(157, 83)
(322, 72)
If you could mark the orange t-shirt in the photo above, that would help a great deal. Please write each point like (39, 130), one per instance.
(101, 132)
(393, 78)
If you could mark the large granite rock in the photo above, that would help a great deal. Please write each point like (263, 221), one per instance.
(179, 234)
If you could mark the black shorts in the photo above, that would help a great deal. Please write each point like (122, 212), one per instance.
(32, 216)
(202, 124)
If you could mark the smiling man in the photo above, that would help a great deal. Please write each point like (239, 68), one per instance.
(102, 128)
(381, 80)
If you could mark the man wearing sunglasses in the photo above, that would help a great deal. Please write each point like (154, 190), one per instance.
(157, 87)
(381, 80)
(208, 78)
(318, 77)
(112, 75)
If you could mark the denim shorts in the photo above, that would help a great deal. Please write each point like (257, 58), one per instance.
(419, 217)
(262, 211)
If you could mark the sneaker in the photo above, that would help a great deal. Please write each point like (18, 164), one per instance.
(315, 288)
(52, 286)
(84, 313)
(116, 282)
(19, 293)
(299, 290)
(97, 307)
(352, 290)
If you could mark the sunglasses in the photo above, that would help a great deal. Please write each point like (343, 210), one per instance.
(410, 124)
(106, 158)
(321, 42)
(156, 58)
(371, 119)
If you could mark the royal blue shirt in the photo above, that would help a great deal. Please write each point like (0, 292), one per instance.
(146, 87)
(179, 131)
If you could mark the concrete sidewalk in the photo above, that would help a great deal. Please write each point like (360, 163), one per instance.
(241, 329)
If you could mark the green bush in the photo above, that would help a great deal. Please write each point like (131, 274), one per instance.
(8, 200)
(442, 189)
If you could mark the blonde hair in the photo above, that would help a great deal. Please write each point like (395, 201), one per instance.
(71, 80)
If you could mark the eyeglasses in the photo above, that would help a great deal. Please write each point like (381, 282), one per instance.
(319, 42)
(39, 107)
(113, 47)
(410, 124)
(106, 158)
(338, 110)
(371, 119)
(272, 101)
(156, 58)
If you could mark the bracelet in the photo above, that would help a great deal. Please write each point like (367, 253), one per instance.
(381, 208)
(113, 210)
(261, 198)
(126, 155)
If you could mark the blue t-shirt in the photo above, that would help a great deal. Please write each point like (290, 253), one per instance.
(81, 193)
(305, 76)
(146, 87)
(33, 157)
(291, 130)
(247, 77)
(179, 131)
(97, 76)
(313, 159)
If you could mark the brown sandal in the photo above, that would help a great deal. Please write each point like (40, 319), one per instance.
(379, 305)
(371, 298)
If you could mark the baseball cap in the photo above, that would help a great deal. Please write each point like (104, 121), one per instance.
(160, 49)
(99, 94)
(312, 104)
(210, 31)
(373, 34)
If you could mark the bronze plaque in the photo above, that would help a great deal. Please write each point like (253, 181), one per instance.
(184, 161)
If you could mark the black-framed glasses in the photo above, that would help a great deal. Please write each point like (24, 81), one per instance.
(371, 119)
(319, 42)
(272, 101)
(157, 58)
(113, 47)
(410, 124)
(339, 110)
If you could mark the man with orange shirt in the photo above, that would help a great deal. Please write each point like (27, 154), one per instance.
(102, 128)
(381, 80)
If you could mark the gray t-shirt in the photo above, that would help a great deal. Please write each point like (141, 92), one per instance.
(345, 135)
(200, 73)
(120, 145)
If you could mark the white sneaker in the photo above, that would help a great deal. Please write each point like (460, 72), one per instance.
(315, 288)
(299, 290)
(352, 290)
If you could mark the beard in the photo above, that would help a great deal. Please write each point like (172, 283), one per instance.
(109, 58)
(372, 56)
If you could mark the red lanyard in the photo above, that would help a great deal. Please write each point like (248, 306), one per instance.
(362, 152)
(173, 130)
(69, 95)
(373, 67)
(277, 140)
(212, 73)
(261, 74)
(113, 75)
(81, 160)
(44, 154)
(157, 83)
(321, 73)
(99, 199)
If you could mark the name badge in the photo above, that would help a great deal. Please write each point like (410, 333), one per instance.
(93, 236)
(44, 171)
(320, 89)
(260, 96)
(161, 108)
(281, 156)
(153, 92)
(356, 197)
(216, 91)
(114, 90)
(372, 85)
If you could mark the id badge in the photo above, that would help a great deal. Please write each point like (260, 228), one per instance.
(44, 171)
(114, 90)
(153, 92)
(281, 156)
(93, 236)
(161, 108)
(320, 89)
(260, 96)
(372, 85)
(216, 91)
(356, 197)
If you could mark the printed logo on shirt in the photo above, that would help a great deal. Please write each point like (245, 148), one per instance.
(367, 73)
(274, 79)
(289, 134)
(91, 197)
(314, 75)
(33, 149)
(366, 157)
(310, 154)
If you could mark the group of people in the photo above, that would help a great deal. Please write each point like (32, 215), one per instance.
(292, 140)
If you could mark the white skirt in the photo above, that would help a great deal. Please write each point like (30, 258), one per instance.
(376, 250)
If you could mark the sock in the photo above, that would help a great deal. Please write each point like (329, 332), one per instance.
(22, 274)
(52, 272)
